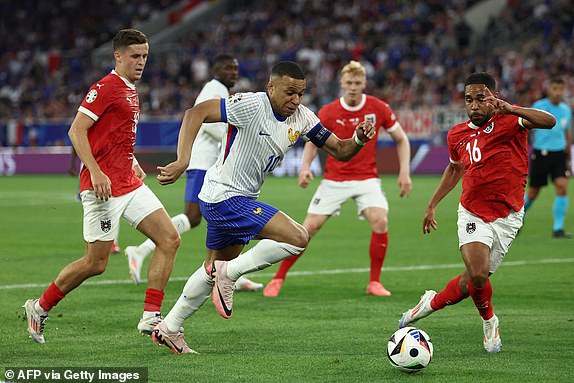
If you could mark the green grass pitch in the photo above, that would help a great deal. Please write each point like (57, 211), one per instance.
(322, 328)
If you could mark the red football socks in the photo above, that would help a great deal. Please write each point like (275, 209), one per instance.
(450, 295)
(377, 252)
(285, 265)
(51, 297)
(482, 299)
(153, 300)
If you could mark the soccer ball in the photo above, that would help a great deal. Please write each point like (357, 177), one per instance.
(409, 349)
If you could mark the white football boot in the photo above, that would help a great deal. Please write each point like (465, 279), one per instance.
(244, 284)
(421, 310)
(492, 341)
(135, 261)
(36, 321)
(147, 324)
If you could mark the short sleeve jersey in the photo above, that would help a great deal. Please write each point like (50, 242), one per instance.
(206, 147)
(553, 139)
(113, 104)
(256, 141)
(342, 119)
(495, 159)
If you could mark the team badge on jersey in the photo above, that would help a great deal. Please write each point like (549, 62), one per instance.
(91, 96)
(106, 225)
(470, 227)
(489, 128)
(371, 118)
(235, 98)
(293, 136)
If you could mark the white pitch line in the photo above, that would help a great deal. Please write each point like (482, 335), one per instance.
(314, 272)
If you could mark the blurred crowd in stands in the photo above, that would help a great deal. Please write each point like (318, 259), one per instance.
(417, 53)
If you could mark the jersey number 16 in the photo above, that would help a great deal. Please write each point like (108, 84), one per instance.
(474, 152)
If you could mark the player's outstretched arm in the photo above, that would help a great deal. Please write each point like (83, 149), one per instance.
(450, 178)
(344, 150)
(305, 174)
(78, 134)
(207, 111)
(532, 118)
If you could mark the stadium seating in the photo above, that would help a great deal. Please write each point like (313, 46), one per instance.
(416, 52)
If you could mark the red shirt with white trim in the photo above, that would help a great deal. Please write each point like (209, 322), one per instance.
(342, 120)
(113, 103)
(495, 159)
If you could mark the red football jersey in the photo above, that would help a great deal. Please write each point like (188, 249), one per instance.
(113, 103)
(495, 158)
(342, 120)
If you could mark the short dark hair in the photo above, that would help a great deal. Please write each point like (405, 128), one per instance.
(127, 37)
(221, 59)
(557, 80)
(481, 78)
(288, 68)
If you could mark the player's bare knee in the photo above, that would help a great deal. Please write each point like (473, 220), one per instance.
(301, 238)
(479, 279)
(170, 243)
(312, 228)
(562, 190)
(95, 266)
(174, 241)
(380, 225)
(194, 219)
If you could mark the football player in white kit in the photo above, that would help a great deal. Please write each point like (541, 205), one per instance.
(261, 128)
(203, 154)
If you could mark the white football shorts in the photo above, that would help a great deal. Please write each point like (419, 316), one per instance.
(330, 195)
(102, 218)
(497, 235)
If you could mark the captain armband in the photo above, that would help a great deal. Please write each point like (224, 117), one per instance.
(319, 135)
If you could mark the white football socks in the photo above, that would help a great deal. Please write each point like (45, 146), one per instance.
(181, 223)
(260, 256)
(195, 293)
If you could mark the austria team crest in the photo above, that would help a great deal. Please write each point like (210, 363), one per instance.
(371, 118)
(106, 225)
(470, 227)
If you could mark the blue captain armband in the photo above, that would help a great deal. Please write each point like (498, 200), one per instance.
(318, 135)
(223, 110)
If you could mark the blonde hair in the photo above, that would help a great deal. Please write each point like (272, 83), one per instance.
(354, 68)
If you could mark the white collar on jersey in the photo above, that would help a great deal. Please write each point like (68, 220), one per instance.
(353, 108)
(128, 83)
(472, 126)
